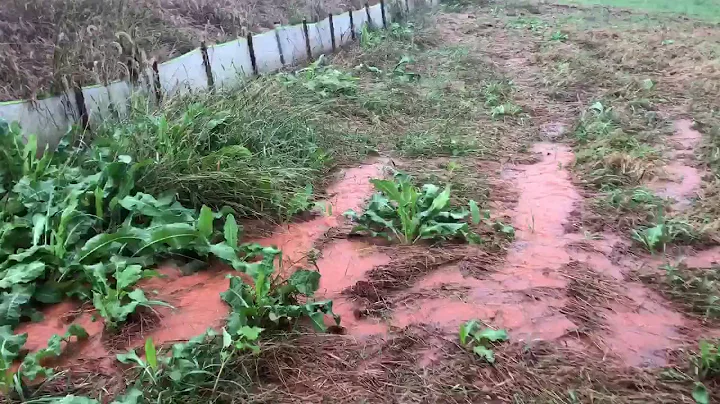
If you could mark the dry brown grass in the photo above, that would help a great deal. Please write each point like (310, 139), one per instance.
(420, 364)
(92, 41)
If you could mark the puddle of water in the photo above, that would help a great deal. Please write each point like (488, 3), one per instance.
(342, 265)
(546, 199)
(642, 332)
(682, 180)
(520, 297)
(196, 298)
(704, 259)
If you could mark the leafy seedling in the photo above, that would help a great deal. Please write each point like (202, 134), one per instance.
(402, 211)
(481, 339)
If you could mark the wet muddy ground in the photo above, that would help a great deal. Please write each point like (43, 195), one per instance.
(554, 283)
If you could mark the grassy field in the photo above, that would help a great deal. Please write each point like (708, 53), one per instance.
(702, 9)
(537, 220)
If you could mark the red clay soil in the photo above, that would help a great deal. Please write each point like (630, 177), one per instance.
(536, 293)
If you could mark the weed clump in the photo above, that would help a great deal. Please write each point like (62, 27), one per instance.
(254, 150)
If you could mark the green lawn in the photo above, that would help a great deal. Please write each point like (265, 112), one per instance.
(703, 9)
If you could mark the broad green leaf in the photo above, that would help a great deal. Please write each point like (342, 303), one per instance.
(11, 304)
(439, 203)
(227, 338)
(130, 357)
(128, 276)
(491, 335)
(306, 282)
(474, 212)
(230, 231)
(165, 208)
(39, 221)
(151, 353)
(205, 222)
(237, 295)
(388, 188)
(99, 199)
(318, 320)
(10, 344)
(700, 394)
(22, 273)
(467, 329)
(228, 254)
(108, 243)
(249, 333)
(54, 346)
(177, 236)
(484, 353)
(443, 230)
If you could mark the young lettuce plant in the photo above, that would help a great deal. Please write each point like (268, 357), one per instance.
(481, 339)
(409, 214)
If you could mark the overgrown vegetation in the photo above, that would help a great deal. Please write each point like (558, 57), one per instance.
(75, 226)
(93, 42)
(254, 150)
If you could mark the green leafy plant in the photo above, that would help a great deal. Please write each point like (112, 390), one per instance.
(73, 226)
(31, 366)
(323, 79)
(696, 289)
(400, 70)
(370, 38)
(401, 210)
(559, 36)
(481, 339)
(272, 300)
(267, 302)
(662, 233)
(707, 366)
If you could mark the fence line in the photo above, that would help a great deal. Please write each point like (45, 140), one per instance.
(217, 66)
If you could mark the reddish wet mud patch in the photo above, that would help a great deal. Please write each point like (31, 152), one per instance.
(196, 300)
(644, 330)
(296, 240)
(681, 180)
(535, 295)
(344, 263)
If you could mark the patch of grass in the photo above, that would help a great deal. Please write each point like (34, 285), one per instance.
(437, 143)
(695, 290)
(253, 150)
(664, 231)
(701, 9)
(98, 41)
(608, 156)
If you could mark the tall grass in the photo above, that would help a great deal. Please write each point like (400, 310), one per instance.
(253, 149)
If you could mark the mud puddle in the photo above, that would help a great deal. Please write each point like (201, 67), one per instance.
(682, 179)
(529, 292)
(196, 298)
